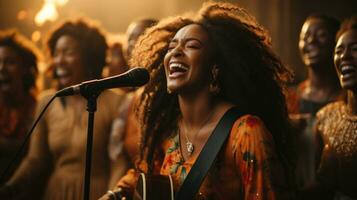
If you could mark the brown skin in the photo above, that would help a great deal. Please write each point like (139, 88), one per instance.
(68, 62)
(11, 71)
(116, 60)
(12, 90)
(190, 47)
(316, 46)
(346, 66)
(345, 55)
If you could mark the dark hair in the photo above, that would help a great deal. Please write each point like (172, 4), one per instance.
(251, 76)
(28, 53)
(147, 22)
(332, 23)
(347, 24)
(91, 40)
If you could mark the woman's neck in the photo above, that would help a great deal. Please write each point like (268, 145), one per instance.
(352, 102)
(195, 108)
(321, 86)
(321, 79)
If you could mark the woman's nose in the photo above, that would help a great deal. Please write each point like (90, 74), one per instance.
(311, 38)
(177, 51)
(58, 59)
(346, 54)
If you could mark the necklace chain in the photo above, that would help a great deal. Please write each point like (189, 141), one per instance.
(189, 145)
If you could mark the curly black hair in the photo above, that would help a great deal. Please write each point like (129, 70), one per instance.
(27, 51)
(91, 40)
(251, 76)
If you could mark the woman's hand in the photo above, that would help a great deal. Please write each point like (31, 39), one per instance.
(117, 194)
(128, 182)
(124, 189)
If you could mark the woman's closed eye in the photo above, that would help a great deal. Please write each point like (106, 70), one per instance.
(192, 44)
(171, 46)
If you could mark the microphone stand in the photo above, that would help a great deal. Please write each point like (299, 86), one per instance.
(91, 108)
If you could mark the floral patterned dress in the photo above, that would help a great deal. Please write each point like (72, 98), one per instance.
(247, 166)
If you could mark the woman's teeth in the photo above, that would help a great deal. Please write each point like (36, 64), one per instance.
(60, 72)
(348, 69)
(177, 67)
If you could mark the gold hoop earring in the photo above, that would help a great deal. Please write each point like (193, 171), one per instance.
(214, 85)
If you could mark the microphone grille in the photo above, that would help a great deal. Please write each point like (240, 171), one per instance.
(140, 76)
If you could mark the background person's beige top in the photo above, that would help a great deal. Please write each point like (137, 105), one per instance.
(56, 159)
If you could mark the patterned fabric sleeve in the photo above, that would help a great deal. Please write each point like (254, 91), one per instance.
(255, 159)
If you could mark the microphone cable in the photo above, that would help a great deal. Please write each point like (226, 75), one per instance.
(27, 137)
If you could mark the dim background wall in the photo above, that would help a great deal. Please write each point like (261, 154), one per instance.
(283, 18)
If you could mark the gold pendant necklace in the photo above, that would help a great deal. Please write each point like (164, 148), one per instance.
(189, 145)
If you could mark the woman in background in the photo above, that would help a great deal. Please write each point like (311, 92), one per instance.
(18, 72)
(337, 122)
(317, 41)
(56, 158)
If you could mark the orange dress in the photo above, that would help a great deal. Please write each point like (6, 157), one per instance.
(247, 166)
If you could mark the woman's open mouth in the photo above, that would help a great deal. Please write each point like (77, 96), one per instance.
(177, 69)
(348, 71)
(5, 81)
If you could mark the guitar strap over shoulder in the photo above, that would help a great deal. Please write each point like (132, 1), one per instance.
(208, 155)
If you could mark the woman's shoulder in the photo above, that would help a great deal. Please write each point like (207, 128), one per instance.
(330, 109)
(328, 118)
(44, 97)
(46, 94)
(248, 130)
(248, 122)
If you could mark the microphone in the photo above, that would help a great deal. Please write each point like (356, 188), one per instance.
(133, 78)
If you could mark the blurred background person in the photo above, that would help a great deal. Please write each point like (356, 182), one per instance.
(18, 72)
(316, 46)
(337, 122)
(116, 61)
(56, 158)
(135, 30)
(126, 132)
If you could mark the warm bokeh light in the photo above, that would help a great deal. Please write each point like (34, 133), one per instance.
(36, 36)
(22, 14)
(61, 2)
(48, 11)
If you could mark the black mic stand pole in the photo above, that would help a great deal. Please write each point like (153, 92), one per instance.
(91, 108)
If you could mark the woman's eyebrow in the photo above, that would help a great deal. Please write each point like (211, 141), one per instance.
(186, 40)
(193, 39)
